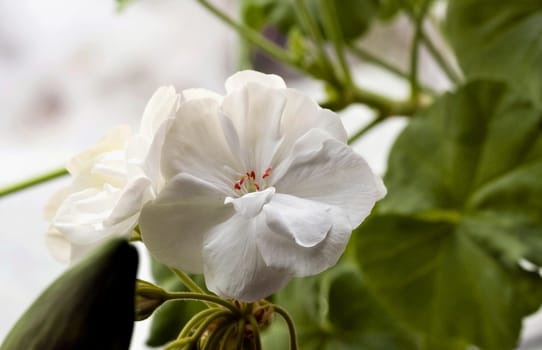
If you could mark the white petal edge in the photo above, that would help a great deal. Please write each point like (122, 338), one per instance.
(174, 225)
(331, 173)
(161, 106)
(305, 222)
(240, 79)
(115, 139)
(195, 144)
(280, 251)
(251, 204)
(234, 268)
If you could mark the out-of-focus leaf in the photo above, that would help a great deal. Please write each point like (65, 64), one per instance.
(170, 318)
(355, 16)
(463, 207)
(335, 311)
(499, 39)
(70, 314)
(121, 4)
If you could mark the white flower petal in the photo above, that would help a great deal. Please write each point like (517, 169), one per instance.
(332, 174)
(256, 111)
(303, 113)
(279, 250)
(81, 216)
(131, 199)
(195, 144)
(115, 139)
(251, 204)
(192, 94)
(161, 106)
(240, 79)
(173, 226)
(305, 222)
(65, 251)
(234, 268)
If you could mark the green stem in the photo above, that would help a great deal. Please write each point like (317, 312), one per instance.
(33, 182)
(379, 102)
(227, 334)
(203, 326)
(256, 330)
(439, 58)
(251, 35)
(379, 62)
(333, 30)
(195, 321)
(202, 298)
(311, 27)
(415, 50)
(383, 104)
(291, 326)
(188, 282)
(366, 128)
(241, 334)
(215, 338)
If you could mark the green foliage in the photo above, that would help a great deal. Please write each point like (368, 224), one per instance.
(463, 207)
(170, 317)
(499, 39)
(335, 311)
(355, 15)
(70, 314)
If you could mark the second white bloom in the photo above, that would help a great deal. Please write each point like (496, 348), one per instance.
(260, 187)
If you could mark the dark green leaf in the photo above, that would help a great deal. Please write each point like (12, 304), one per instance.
(335, 311)
(70, 314)
(499, 39)
(170, 318)
(355, 16)
(463, 208)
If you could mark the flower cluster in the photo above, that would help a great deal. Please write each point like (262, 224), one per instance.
(251, 188)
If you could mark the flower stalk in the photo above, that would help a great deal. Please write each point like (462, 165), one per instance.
(33, 181)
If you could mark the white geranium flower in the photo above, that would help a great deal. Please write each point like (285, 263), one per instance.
(112, 181)
(260, 187)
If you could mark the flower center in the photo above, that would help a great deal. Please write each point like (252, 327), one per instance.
(249, 182)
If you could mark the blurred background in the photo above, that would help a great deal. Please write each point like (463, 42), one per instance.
(70, 70)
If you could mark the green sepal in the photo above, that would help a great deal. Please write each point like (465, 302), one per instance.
(90, 306)
(170, 318)
(148, 298)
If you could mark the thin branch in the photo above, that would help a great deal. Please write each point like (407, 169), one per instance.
(308, 23)
(33, 182)
(291, 326)
(439, 58)
(251, 35)
(365, 129)
(334, 33)
(415, 50)
(379, 62)
(202, 298)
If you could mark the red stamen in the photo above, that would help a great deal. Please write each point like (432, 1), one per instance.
(257, 186)
(266, 173)
(237, 186)
(253, 175)
(242, 180)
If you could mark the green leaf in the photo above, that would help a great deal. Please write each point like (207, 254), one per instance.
(335, 311)
(170, 318)
(499, 39)
(355, 15)
(463, 208)
(70, 313)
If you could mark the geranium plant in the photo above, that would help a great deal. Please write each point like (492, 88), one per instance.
(254, 207)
